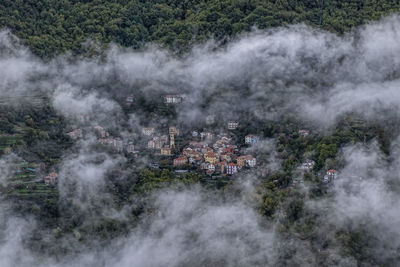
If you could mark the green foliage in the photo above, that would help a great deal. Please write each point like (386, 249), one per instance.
(53, 26)
(150, 180)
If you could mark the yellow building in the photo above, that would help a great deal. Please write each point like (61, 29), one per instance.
(211, 157)
(166, 151)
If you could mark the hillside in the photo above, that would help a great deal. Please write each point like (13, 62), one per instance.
(51, 27)
(199, 133)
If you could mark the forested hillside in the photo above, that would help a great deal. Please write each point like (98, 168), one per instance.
(53, 26)
(213, 133)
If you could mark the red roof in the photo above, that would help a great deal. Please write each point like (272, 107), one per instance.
(210, 154)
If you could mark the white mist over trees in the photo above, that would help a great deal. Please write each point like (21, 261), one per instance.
(268, 74)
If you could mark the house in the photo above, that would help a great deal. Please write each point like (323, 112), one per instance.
(148, 131)
(51, 178)
(173, 99)
(251, 139)
(231, 169)
(195, 133)
(206, 135)
(151, 144)
(211, 157)
(251, 161)
(210, 119)
(75, 134)
(330, 176)
(180, 161)
(231, 149)
(129, 100)
(157, 142)
(173, 130)
(196, 154)
(195, 160)
(211, 167)
(197, 145)
(232, 125)
(307, 165)
(304, 133)
(166, 151)
(241, 161)
(100, 131)
(187, 151)
(248, 160)
(130, 148)
(225, 157)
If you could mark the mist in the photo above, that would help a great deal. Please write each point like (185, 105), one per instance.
(266, 75)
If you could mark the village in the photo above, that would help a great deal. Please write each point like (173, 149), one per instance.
(211, 151)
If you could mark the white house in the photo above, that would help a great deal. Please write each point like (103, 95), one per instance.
(251, 161)
(173, 99)
(232, 168)
(307, 165)
(148, 131)
(304, 132)
(232, 125)
(330, 175)
(251, 139)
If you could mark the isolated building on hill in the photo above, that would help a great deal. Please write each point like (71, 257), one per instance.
(148, 131)
(173, 99)
(129, 100)
(232, 125)
(251, 139)
(307, 165)
(304, 132)
(51, 178)
(330, 176)
(130, 148)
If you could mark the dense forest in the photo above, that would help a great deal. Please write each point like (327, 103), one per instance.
(51, 27)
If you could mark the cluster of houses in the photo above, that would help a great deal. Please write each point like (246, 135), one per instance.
(162, 143)
(221, 157)
(174, 98)
(104, 138)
